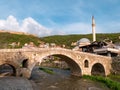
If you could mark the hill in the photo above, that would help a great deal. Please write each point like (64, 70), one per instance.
(68, 39)
(7, 38)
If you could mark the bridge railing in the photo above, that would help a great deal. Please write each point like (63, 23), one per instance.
(31, 49)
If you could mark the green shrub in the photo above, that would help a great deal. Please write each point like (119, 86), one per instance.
(47, 70)
(114, 85)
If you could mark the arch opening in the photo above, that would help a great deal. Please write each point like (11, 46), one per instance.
(86, 64)
(72, 66)
(7, 70)
(98, 69)
(25, 63)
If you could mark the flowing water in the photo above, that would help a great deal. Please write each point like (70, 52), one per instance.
(62, 80)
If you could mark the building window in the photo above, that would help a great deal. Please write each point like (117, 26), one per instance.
(86, 64)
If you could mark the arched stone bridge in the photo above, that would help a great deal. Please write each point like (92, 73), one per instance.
(23, 60)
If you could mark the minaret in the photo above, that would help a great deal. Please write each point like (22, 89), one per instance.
(93, 29)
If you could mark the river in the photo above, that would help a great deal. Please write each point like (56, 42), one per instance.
(40, 80)
(62, 80)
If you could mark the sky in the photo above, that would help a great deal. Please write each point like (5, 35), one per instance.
(59, 17)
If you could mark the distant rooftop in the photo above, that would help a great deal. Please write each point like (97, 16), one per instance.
(83, 41)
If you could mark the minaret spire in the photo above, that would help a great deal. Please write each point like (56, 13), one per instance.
(93, 29)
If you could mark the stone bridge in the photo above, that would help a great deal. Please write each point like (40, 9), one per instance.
(23, 60)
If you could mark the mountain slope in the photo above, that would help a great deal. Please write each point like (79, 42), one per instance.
(7, 38)
(68, 39)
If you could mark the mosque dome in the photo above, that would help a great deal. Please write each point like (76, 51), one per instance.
(83, 42)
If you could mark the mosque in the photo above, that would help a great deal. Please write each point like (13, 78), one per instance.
(100, 48)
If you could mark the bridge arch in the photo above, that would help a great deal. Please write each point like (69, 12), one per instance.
(74, 66)
(8, 69)
(98, 69)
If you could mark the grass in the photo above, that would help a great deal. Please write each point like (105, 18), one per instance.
(47, 70)
(113, 85)
(114, 77)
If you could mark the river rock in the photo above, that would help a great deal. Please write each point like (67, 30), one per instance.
(15, 83)
(94, 88)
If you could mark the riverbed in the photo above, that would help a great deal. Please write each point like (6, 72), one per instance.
(62, 80)
(40, 80)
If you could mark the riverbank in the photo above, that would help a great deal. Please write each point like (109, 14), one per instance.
(16, 83)
(115, 77)
(113, 85)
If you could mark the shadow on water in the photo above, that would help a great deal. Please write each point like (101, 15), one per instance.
(62, 80)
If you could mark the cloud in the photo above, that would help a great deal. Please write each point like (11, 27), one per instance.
(31, 26)
(28, 25)
(9, 24)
